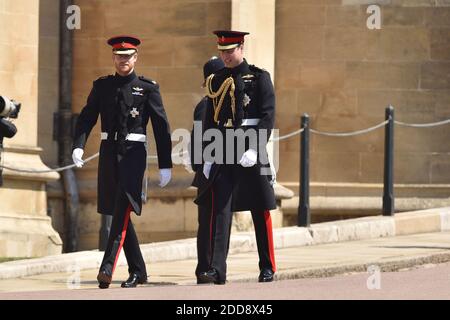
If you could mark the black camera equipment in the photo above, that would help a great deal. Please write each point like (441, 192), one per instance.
(9, 108)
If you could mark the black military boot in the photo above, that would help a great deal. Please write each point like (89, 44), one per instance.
(200, 280)
(211, 276)
(133, 280)
(104, 280)
(266, 275)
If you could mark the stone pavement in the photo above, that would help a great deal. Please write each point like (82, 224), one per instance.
(390, 243)
(389, 254)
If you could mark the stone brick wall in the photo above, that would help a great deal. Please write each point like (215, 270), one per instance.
(18, 64)
(331, 66)
(25, 229)
(48, 79)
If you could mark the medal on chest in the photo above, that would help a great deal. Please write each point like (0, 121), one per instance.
(246, 100)
(134, 112)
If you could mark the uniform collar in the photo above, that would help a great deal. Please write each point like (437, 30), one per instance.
(127, 79)
(242, 68)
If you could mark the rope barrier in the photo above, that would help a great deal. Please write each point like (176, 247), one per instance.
(287, 136)
(348, 134)
(422, 125)
(49, 170)
(68, 166)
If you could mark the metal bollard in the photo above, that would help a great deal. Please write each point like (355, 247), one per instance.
(388, 189)
(304, 216)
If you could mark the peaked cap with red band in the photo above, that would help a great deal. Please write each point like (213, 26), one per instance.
(124, 44)
(227, 39)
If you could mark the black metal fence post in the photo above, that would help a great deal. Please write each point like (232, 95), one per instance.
(388, 189)
(304, 217)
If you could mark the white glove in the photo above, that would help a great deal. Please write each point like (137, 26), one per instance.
(77, 154)
(207, 168)
(164, 177)
(248, 158)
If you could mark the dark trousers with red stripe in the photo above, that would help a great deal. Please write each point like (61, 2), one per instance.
(221, 218)
(122, 234)
(203, 238)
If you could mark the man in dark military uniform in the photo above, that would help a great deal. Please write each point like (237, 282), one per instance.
(204, 237)
(125, 103)
(241, 99)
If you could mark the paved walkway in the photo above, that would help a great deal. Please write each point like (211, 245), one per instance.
(389, 254)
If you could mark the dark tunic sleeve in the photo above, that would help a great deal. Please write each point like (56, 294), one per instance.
(195, 144)
(267, 103)
(87, 119)
(161, 128)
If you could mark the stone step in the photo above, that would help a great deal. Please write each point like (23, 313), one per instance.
(344, 189)
(321, 205)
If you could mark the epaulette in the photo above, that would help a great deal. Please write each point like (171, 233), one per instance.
(220, 70)
(153, 82)
(254, 68)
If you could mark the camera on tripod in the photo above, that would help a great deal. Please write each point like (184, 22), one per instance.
(9, 108)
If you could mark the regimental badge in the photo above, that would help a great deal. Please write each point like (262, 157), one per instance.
(246, 100)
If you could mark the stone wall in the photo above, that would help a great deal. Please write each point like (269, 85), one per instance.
(48, 101)
(18, 66)
(25, 228)
(331, 66)
(48, 78)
